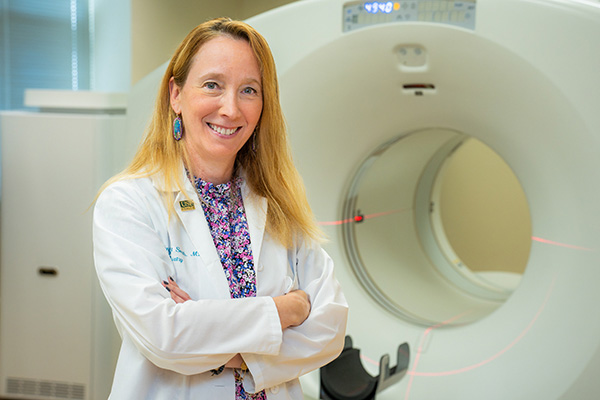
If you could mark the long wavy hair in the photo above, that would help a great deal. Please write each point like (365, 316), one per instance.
(268, 168)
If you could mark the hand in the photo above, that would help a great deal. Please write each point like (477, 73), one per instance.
(293, 308)
(235, 362)
(177, 294)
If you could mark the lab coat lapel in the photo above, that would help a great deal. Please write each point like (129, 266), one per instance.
(196, 226)
(256, 215)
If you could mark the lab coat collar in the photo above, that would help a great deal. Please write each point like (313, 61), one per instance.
(194, 221)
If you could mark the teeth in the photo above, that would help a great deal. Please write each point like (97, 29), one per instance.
(222, 131)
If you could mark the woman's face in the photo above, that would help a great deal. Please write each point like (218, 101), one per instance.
(220, 102)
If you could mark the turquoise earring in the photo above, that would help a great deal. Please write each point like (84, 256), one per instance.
(177, 128)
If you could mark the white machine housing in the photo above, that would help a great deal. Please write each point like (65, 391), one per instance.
(525, 82)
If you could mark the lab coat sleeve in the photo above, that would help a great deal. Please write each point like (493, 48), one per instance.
(319, 339)
(189, 338)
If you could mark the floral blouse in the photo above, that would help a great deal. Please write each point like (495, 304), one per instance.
(226, 217)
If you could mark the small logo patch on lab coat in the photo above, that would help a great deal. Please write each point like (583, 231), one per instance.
(187, 205)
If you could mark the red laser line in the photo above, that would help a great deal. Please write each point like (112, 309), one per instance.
(340, 222)
(361, 218)
(413, 373)
(368, 216)
(570, 246)
(370, 361)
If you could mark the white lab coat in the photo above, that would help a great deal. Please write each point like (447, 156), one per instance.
(169, 349)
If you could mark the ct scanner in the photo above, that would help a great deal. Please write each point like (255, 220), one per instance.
(399, 86)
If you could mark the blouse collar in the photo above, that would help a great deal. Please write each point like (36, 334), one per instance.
(209, 192)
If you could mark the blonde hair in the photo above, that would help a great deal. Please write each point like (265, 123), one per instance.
(269, 169)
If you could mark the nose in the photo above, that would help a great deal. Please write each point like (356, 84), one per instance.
(229, 106)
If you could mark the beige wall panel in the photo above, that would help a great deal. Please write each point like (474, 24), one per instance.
(254, 7)
(158, 26)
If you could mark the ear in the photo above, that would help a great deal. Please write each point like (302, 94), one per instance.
(174, 92)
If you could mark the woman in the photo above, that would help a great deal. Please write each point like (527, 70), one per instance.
(205, 246)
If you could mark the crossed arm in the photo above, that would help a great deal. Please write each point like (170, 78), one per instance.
(293, 309)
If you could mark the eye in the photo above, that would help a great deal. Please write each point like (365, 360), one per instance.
(211, 85)
(249, 90)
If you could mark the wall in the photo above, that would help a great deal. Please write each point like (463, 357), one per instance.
(157, 26)
(112, 48)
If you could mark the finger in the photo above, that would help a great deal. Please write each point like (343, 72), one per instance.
(177, 299)
(174, 296)
(172, 282)
(175, 290)
(301, 294)
(176, 293)
(306, 301)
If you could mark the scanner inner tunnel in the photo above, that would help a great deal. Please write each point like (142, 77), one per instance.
(420, 209)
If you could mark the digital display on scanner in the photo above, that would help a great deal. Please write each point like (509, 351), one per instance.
(384, 7)
(360, 14)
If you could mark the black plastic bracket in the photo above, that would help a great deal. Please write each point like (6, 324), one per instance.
(346, 379)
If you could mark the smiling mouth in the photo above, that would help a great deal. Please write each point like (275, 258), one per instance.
(223, 131)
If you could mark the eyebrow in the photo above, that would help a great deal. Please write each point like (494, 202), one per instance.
(221, 76)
